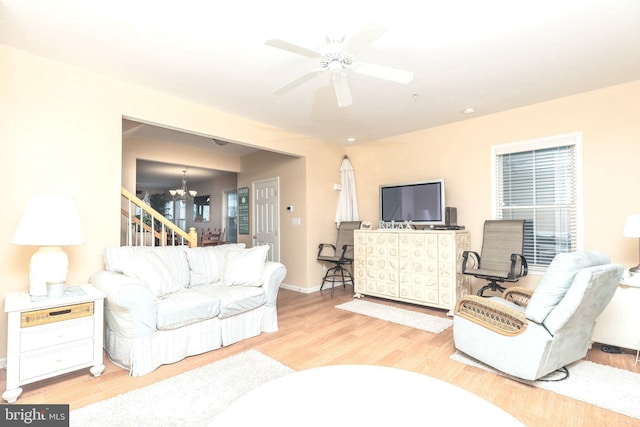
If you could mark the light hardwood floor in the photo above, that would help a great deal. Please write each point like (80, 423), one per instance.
(315, 333)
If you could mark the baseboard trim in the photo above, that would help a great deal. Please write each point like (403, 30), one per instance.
(308, 290)
(3, 363)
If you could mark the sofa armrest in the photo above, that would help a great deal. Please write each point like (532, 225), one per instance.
(272, 277)
(130, 306)
(492, 315)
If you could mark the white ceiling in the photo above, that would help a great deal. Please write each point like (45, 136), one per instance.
(492, 55)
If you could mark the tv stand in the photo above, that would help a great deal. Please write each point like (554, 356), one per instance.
(416, 266)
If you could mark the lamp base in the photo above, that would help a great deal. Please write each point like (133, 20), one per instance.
(48, 264)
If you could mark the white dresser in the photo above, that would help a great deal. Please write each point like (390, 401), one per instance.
(52, 336)
(417, 266)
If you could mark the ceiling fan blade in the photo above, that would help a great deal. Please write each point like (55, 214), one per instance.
(281, 44)
(363, 38)
(382, 72)
(341, 86)
(296, 82)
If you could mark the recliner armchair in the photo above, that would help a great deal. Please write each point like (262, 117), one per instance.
(501, 258)
(340, 255)
(531, 333)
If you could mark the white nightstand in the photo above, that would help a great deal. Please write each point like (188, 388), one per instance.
(52, 336)
(619, 323)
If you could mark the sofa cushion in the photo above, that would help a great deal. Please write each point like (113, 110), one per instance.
(186, 307)
(558, 278)
(233, 299)
(149, 269)
(244, 267)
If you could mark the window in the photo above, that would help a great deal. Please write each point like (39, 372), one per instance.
(540, 181)
(231, 215)
(179, 212)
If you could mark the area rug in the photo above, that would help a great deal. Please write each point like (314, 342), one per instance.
(605, 386)
(414, 319)
(191, 399)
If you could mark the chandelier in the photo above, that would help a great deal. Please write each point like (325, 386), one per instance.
(183, 193)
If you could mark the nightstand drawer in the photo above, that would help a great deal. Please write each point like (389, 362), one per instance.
(55, 314)
(54, 359)
(51, 334)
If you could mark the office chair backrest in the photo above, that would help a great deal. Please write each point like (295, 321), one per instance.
(345, 237)
(501, 239)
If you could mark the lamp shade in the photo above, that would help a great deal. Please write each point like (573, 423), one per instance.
(632, 226)
(49, 220)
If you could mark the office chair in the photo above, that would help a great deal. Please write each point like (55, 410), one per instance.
(500, 259)
(339, 255)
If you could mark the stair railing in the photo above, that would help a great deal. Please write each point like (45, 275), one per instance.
(150, 227)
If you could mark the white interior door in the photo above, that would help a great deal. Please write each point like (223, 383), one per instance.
(266, 218)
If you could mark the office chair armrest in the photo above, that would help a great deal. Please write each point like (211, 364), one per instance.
(343, 256)
(475, 260)
(518, 295)
(524, 268)
(492, 315)
(321, 247)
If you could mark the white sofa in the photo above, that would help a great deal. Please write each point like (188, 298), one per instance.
(166, 303)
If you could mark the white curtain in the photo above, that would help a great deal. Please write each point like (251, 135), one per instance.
(347, 202)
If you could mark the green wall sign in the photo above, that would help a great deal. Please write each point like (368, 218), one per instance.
(243, 210)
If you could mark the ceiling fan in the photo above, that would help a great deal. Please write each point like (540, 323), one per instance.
(337, 56)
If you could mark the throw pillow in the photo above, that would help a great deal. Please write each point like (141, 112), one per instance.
(115, 255)
(244, 267)
(149, 269)
(204, 265)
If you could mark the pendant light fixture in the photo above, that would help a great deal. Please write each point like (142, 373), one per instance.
(183, 193)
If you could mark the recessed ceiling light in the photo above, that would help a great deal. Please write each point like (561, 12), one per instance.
(469, 110)
(351, 139)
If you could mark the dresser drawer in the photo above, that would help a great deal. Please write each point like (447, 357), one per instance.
(51, 334)
(54, 359)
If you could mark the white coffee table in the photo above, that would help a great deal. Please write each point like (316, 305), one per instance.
(362, 395)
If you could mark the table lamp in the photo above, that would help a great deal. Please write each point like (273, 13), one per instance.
(49, 221)
(632, 229)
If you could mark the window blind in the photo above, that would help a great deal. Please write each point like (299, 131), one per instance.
(539, 185)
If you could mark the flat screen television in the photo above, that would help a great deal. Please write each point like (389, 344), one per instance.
(422, 202)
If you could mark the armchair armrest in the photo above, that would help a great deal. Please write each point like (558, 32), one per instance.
(518, 295)
(492, 315)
